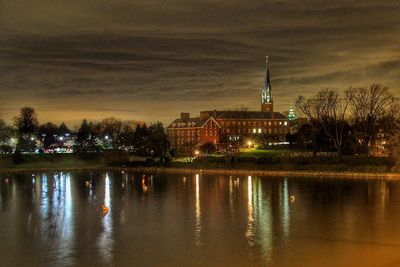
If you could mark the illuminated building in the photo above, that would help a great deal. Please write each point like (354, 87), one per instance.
(230, 126)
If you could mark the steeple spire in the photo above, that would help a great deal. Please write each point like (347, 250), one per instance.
(266, 95)
(267, 83)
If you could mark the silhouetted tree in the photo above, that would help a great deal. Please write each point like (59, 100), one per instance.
(158, 141)
(207, 148)
(373, 108)
(86, 141)
(6, 133)
(116, 132)
(48, 134)
(141, 140)
(27, 124)
(63, 130)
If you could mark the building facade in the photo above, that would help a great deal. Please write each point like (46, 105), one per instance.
(187, 133)
(224, 127)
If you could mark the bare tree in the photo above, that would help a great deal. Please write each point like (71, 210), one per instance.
(334, 110)
(312, 109)
(371, 106)
(114, 129)
(327, 111)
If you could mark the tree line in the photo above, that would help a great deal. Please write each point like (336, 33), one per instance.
(357, 121)
(26, 134)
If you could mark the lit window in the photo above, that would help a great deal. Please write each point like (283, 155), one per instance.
(254, 130)
(285, 123)
(259, 130)
(280, 123)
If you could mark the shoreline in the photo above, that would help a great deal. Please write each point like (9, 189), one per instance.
(214, 171)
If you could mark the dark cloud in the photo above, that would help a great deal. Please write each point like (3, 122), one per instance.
(152, 59)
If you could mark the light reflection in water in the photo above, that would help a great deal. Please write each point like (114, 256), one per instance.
(68, 225)
(250, 213)
(105, 240)
(198, 212)
(231, 195)
(285, 209)
(364, 214)
(44, 205)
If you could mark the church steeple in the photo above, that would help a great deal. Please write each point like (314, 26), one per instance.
(266, 95)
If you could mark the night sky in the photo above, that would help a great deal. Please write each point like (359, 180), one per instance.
(151, 59)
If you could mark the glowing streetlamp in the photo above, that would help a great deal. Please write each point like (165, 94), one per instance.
(249, 143)
(196, 152)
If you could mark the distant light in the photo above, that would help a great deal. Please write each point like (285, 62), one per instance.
(106, 137)
(61, 138)
(32, 138)
(259, 130)
(249, 143)
(197, 152)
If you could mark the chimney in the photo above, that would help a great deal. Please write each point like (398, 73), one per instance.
(185, 115)
(204, 114)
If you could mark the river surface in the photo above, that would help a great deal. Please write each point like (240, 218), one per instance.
(58, 219)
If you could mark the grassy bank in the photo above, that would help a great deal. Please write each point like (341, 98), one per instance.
(261, 162)
(51, 161)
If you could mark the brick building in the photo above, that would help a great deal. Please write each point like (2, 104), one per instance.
(186, 133)
(222, 127)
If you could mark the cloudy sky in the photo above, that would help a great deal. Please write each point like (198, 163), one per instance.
(151, 59)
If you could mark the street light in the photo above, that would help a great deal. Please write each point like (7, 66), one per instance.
(196, 152)
(249, 143)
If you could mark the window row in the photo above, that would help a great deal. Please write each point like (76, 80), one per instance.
(254, 123)
(254, 131)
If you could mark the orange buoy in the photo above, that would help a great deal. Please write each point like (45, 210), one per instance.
(105, 210)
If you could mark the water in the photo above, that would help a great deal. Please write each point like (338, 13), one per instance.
(56, 219)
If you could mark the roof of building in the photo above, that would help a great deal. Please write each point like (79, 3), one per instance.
(246, 115)
(188, 123)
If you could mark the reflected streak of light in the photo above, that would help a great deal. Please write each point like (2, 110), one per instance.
(250, 212)
(285, 209)
(231, 195)
(44, 206)
(63, 205)
(105, 241)
(198, 212)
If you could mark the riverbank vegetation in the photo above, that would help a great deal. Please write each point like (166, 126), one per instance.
(254, 161)
(357, 129)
